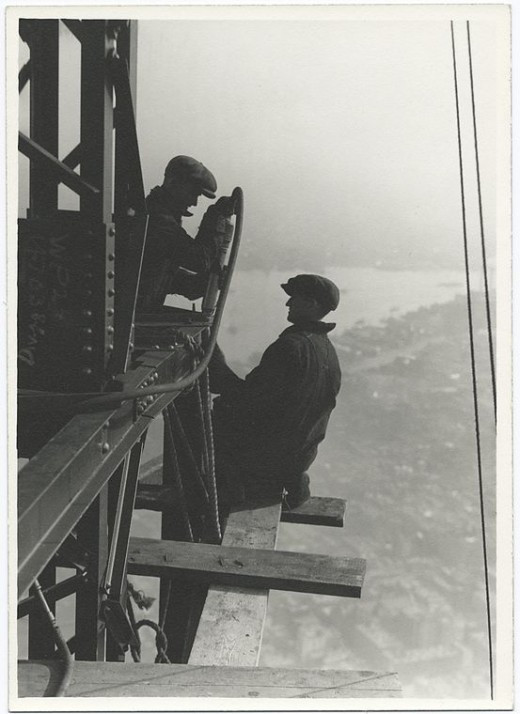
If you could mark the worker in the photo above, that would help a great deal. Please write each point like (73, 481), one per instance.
(267, 427)
(173, 262)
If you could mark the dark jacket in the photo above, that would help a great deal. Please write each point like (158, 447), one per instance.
(170, 249)
(269, 425)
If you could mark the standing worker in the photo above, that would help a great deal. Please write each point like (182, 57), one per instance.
(268, 426)
(173, 261)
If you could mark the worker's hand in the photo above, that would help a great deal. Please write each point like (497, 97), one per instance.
(225, 206)
(217, 356)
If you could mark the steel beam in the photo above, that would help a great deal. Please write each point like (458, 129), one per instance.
(57, 485)
(97, 121)
(44, 46)
(53, 167)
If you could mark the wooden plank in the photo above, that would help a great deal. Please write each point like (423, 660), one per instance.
(244, 567)
(232, 622)
(104, 679)
(317, 511)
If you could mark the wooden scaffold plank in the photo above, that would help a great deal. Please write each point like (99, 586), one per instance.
(104, 679)
(244, 567)
(232, 621)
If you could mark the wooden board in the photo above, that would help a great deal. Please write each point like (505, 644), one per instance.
(110, 679)
(317, 511)
(232, 621)
(244, 567)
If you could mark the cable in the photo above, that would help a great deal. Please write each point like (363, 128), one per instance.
(473, 366)
(68, 662)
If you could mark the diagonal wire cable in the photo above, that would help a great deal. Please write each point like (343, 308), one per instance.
(481, 219)
(473, 366)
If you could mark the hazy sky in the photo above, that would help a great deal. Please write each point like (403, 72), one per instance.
(340, 130)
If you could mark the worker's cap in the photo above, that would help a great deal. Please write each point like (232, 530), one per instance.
(187, 168)
(321, 289)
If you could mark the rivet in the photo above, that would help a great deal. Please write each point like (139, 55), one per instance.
(111, 292)
(156, 375)
(87, 313)
(157, 347)
(88, 293)
(87, 330)
(87, 349)
(131, 345)
(111, 231)
(110, 274)
(140, 409)
(111, 256)
(110, 330)
(105, 448)
(110, 311)
(171, 347)
(87, 371)
(150, 399)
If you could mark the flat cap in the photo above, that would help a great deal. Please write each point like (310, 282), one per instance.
(189, 168)
(323, 290)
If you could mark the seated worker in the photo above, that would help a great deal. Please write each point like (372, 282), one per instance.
(267, 427)
(173, 262)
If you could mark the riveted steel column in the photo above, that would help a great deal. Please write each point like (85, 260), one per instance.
(44, 45)
(97, 121)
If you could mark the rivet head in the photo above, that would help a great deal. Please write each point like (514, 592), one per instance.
(87, 313)
(105, 447)
(111, 292)
(110, 311)
(110, 348)
(110, 274)
(87, 330)
(131, 345)
(140, 409)
(111, 231)
(110, 330)
(111, 257)
(156, 375)
(87, 349)
(87, 371)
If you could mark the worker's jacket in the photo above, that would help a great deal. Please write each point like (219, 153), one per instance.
(173, 261)
(268, 426)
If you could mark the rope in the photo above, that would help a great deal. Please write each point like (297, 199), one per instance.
(473, 365)
(68, 662)
(177, 477)
(208, 454)
(481, 219)
(188, 451)
(213, 494)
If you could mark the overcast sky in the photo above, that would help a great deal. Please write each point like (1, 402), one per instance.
(340, 130)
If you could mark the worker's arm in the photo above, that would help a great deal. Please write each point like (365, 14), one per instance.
(222, 378)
